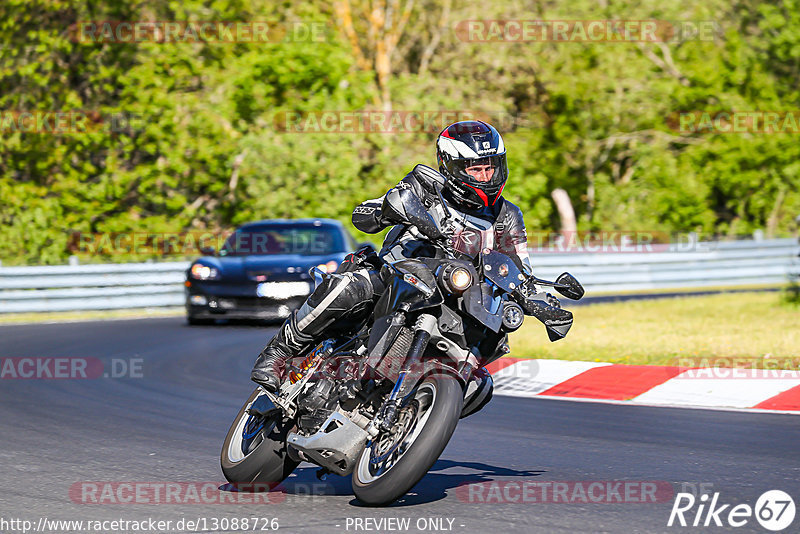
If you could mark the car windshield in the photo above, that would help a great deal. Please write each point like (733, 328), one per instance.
(304, 240)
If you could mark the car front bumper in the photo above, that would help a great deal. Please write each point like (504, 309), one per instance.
(269, 301)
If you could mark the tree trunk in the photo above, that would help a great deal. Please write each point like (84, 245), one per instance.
(566, 213)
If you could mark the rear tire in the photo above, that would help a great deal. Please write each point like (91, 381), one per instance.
(437, 425)
(261, 461)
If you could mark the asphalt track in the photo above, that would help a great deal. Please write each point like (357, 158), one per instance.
(168, 425)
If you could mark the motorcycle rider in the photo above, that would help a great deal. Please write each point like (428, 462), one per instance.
(472, 173)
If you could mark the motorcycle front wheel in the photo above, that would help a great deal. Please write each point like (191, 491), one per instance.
(395, 461)
(254, 456)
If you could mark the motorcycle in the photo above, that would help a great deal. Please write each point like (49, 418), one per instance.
(382, 403)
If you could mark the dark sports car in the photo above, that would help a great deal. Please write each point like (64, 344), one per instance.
(261, 272)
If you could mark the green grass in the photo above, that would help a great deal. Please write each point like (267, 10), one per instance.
(791, 295)
(11, 318)
(735, 329)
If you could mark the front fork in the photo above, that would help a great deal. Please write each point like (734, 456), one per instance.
(422, 335)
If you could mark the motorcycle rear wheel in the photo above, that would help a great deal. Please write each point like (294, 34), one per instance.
(254, 456)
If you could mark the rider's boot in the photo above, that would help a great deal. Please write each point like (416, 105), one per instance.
(338, 297)
(288, 342)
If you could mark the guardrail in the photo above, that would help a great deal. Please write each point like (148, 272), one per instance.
(145, 285)
(693, 265)
(91, 287)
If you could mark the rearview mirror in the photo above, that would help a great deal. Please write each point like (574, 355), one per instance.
(569, 286)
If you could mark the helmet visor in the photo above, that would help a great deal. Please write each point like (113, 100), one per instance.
(488, 173)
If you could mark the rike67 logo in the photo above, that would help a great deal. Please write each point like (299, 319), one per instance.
(774, 510)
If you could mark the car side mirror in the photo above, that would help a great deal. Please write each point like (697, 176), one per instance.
(207, 251)
(569, 286)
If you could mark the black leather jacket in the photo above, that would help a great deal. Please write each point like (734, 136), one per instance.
(413, 208)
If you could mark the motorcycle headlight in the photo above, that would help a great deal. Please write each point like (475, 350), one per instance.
(204, 272)
(459, 280)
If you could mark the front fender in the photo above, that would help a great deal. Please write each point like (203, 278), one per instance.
(424, 369)
(263, 406)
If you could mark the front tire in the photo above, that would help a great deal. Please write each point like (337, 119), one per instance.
(384, 472)
(254, 455)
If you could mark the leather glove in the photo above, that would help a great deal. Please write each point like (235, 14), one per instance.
(533, 303)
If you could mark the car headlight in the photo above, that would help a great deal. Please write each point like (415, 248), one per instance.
(328, 267)
(204, 272)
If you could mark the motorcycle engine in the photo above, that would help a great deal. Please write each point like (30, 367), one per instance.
(337, 385)
(315, 405)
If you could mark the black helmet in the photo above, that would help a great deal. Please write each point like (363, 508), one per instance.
(472, 144)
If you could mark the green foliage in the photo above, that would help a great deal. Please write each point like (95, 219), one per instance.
(204, 149)
(790, 295)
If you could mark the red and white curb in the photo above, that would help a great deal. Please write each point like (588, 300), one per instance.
(655, 385)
